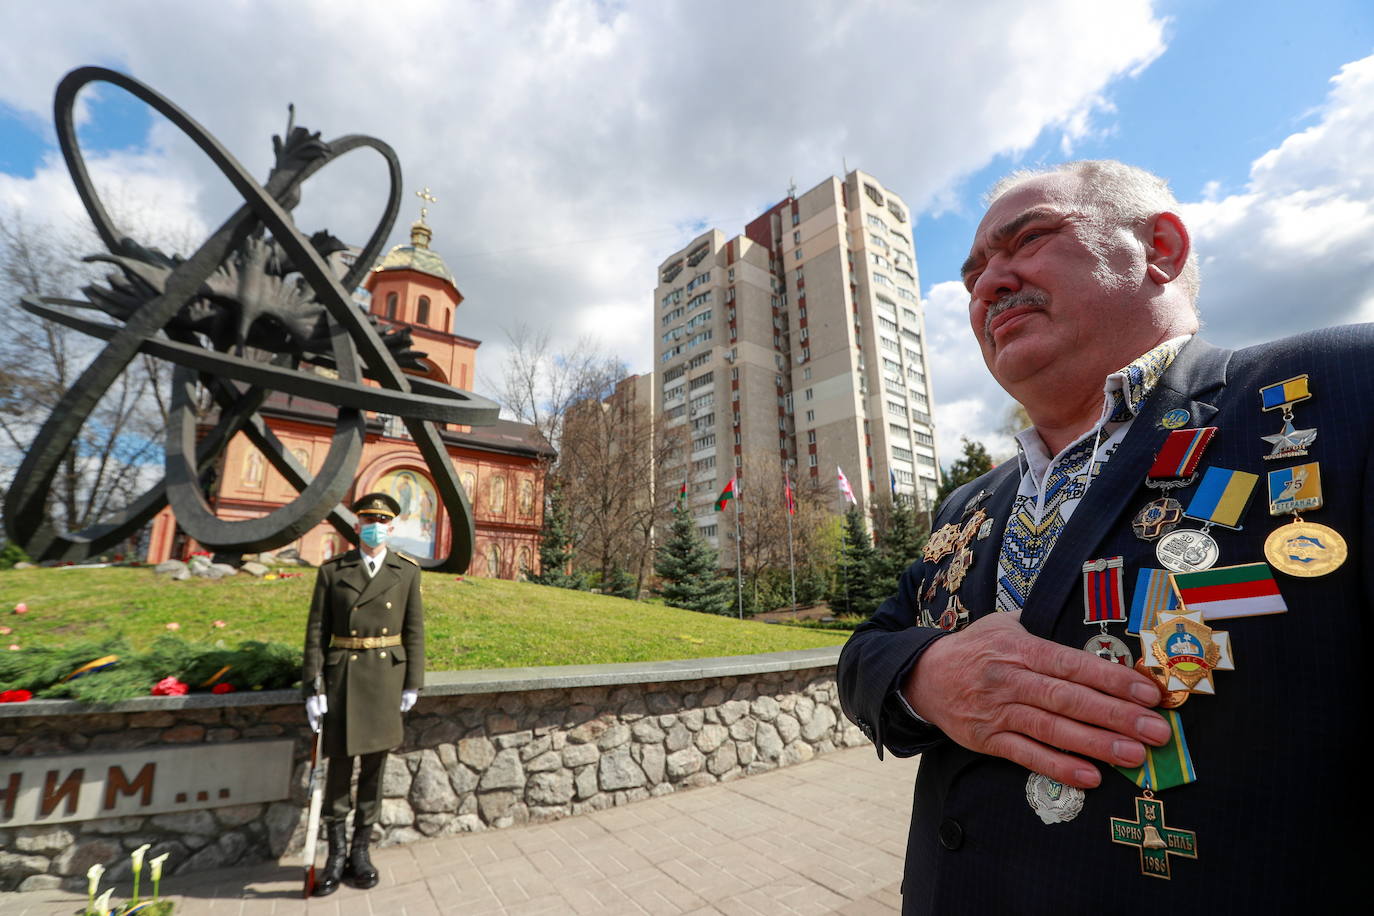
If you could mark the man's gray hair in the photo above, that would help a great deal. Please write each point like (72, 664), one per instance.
(1117, 191)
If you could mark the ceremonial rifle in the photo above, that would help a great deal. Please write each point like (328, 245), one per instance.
(312, 823)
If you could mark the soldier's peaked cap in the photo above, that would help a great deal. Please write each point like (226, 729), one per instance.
(377, 504)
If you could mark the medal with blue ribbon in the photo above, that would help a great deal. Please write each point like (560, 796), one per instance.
(1221, 499)
(1288, 442)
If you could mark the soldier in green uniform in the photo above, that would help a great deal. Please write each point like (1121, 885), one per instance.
(366, 638)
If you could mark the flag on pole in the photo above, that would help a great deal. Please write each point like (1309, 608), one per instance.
(892, 480)
(682, 494)
(844, 486)
(787, 493)
(730, 492)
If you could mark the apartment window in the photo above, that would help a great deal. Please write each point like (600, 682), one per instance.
(889, 344)
(876, 222)
(801, 275)
(706, 421)
(913, 355)
(797, 255)
(806, 373)
(902, 453)
(810, 437)
(811, 460)
(701, 380)
(422, 313)
(804, 334)
(739, 461)
(899, 432)
(810, 416)
(796, 217)
(675, 392)
(730, 275)
(907, 294)
(698, 280)
(887, 323)
(908, 315)
(702, 442)
(708, 531)
(926, 460)
(896, 211)
(670, 353)
(882, 279)
(704, 464)
(700, 359)
(702, 401)
(672, 413)
(737, 438)
(699, 318)
(880, 261)
(734, 374)
(736, 423)
(806, 353)
(699, 299)
(801, 311)
(924, 439)
(897, 410)
(809, 393)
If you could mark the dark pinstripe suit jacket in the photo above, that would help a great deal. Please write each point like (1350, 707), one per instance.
(1280, 805)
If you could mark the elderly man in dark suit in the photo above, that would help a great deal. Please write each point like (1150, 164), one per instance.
(1159, 474)
(366, 638)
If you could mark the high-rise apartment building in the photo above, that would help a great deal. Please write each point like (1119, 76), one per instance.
(800, 340)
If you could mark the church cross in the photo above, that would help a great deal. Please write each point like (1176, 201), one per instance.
(1155, 841)
(428, 198)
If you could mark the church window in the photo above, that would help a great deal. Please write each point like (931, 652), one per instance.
(526, 497)
(422, 313)
(494, 559)
(391, 305)
(498, 494)
(252, 469)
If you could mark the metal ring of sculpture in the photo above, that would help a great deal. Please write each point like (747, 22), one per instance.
(239, 291)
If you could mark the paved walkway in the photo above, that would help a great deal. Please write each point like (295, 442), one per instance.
(827, 836)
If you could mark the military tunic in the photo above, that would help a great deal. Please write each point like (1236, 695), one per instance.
(364, 686)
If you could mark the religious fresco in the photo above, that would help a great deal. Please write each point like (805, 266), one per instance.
(414, 530)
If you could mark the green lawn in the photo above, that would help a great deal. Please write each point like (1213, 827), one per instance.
(472, 623)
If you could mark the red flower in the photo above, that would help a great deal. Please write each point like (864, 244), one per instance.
(16, 696)
(169, 687)
(222, 687)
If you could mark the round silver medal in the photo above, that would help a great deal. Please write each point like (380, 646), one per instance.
(1187, 550)
(1053, 802)
(1104, 645)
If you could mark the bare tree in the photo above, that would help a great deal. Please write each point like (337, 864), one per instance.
(118, 449)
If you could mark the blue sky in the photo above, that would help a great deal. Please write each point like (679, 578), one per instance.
(572, 144)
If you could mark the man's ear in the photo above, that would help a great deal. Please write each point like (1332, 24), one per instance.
(1169, 245)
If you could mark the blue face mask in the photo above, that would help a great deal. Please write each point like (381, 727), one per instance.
(375, 534)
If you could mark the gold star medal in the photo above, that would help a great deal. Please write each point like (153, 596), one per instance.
(1189, 651)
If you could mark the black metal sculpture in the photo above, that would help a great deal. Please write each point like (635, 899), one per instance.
(240, 317)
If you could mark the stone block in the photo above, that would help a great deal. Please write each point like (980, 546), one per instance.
(46, 840)
(40, 883)
(541, 745)
(281, 820)
(722, 760)
(477, 753)
(678, 737)
(550, 788)
(797, 752)
(585, 781)
(237, 815)
(157, 719)
(821, 722)
(768, 742)
(199, 823)
(743, 729)
(514, 739)
(430, 792)
(113, 825)
(803, 709)
(743, 691)
(443, 731)
(588, 732)
(653, 760)
(396, 812)
(400, 836)
(745, 751)
(788, 727)
(500, 724)
(576, 755)
(505, 772)
(496, 805)
(697, 780)
(732, 711)
(713, 696)
(646, 731)
(255, 569)
(614, 736)
(551, 760)
(169, 567)
(692, 718)
(222, 854)
(617, 770)
(711, 737)
(661, 704)
(684, 762)
(184, 734)
(16, 868)
(77, 858)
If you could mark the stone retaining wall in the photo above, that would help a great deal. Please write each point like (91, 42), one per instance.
(483, 749)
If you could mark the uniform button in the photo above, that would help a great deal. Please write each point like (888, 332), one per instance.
(388, 607)
(353, 657)
(381, 654)
(355, 632)
(951, 834)
(384, 628)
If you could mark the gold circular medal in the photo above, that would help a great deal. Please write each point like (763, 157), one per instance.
(1305, 549)
(1171, 699)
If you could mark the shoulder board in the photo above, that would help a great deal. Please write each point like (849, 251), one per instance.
(406, 557)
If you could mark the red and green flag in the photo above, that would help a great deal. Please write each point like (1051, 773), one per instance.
(787, 492)
(682, 494)
(1231, 591)
(730, 492)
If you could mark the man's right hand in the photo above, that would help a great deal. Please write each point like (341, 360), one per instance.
(996, 689)
(315, 708)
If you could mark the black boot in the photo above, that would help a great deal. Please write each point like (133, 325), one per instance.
(327, 881)
(359, 871)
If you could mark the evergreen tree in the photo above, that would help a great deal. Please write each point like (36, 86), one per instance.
(689, 570)
(974, 464)
(555, 546)
(900, 543)
(856, 589)
(620, 583)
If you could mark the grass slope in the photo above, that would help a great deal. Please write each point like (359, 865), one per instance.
(472, 623)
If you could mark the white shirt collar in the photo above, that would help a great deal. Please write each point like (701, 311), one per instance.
(374, 563)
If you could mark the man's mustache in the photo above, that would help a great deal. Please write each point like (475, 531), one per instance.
(1034, 298)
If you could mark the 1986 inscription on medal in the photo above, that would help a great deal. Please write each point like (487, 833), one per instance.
(1155, 841)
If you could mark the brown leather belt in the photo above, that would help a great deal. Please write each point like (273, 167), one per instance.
(363, 642)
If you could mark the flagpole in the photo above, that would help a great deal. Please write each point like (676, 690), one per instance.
(739, 558)
(789, 502)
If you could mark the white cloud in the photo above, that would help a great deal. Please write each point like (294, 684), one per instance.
(572, 142)
(1292, 251)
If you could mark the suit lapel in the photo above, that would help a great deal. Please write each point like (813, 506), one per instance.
(1192, 382)
(980, 592)
(384, 579)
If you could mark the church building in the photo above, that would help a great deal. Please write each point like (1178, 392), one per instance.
(500, 466)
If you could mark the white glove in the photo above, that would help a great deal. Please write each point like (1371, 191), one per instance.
(408, 698)
(315, 708)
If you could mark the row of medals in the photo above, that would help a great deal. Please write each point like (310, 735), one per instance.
(1288, 549)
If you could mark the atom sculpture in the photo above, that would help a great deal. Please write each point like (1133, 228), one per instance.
(254, 310)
